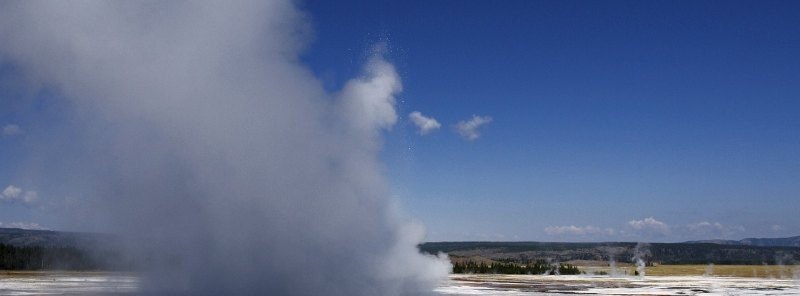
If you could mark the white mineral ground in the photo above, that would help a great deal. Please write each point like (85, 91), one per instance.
(463, 284)
(604, 285)
(67, 283)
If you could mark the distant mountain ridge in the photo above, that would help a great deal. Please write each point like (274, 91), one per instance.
(793, 241)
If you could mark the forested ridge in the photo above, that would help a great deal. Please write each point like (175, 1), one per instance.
(23, 249)
(529, 267)
(658, 253)
(49, 258)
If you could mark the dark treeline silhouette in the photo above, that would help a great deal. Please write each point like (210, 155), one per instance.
(56, 258)
(530, 267)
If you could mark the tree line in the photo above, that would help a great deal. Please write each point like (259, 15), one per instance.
(529, 267)
(51, 258)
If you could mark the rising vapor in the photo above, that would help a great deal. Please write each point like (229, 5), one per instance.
(205, 141)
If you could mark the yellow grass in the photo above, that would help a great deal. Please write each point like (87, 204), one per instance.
(762, 271)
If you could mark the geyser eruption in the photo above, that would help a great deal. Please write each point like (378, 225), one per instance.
(196, 132)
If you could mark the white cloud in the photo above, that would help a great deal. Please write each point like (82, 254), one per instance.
(11, 130)
(22, 225)
(650, 228)
(649, 224)
(16, 194)
(11, 192)
(469, 129)
(30, 197)
(705, 225)
(776, 228)
(425, 124)
(481, 236)
(577, 230)
(707, 229)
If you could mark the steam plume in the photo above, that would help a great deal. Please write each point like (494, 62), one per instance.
(640, 254)
(202, 137)
(612, 264)
(709, 271)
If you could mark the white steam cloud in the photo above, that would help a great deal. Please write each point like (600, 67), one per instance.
(641, 254)
(368, 101)
(425, 124)
(206, 141)
(469, 129)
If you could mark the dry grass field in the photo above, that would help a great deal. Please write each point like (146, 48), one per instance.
(601, 267)
(760, 271)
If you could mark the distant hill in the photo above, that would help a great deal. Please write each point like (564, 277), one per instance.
(762, 242)
(47, 238)
(657, 253)
(23, 249)
(716, 241)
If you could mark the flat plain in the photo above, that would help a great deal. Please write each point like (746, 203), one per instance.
(757, 271)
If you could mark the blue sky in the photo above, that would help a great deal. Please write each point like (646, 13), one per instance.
(616, 120)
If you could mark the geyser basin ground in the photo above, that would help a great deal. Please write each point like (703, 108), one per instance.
(67, 283)
(604, 285)
(74, 283)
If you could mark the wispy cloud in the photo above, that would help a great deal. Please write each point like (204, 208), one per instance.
(707, 229)
(705, 225)
(651, 228)
(481, 236)
(649, 224)
(579, 231)
(11, 130)
(468, 129)
(22, 225)
(425, 124)
(14, 194)
(11, 191)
